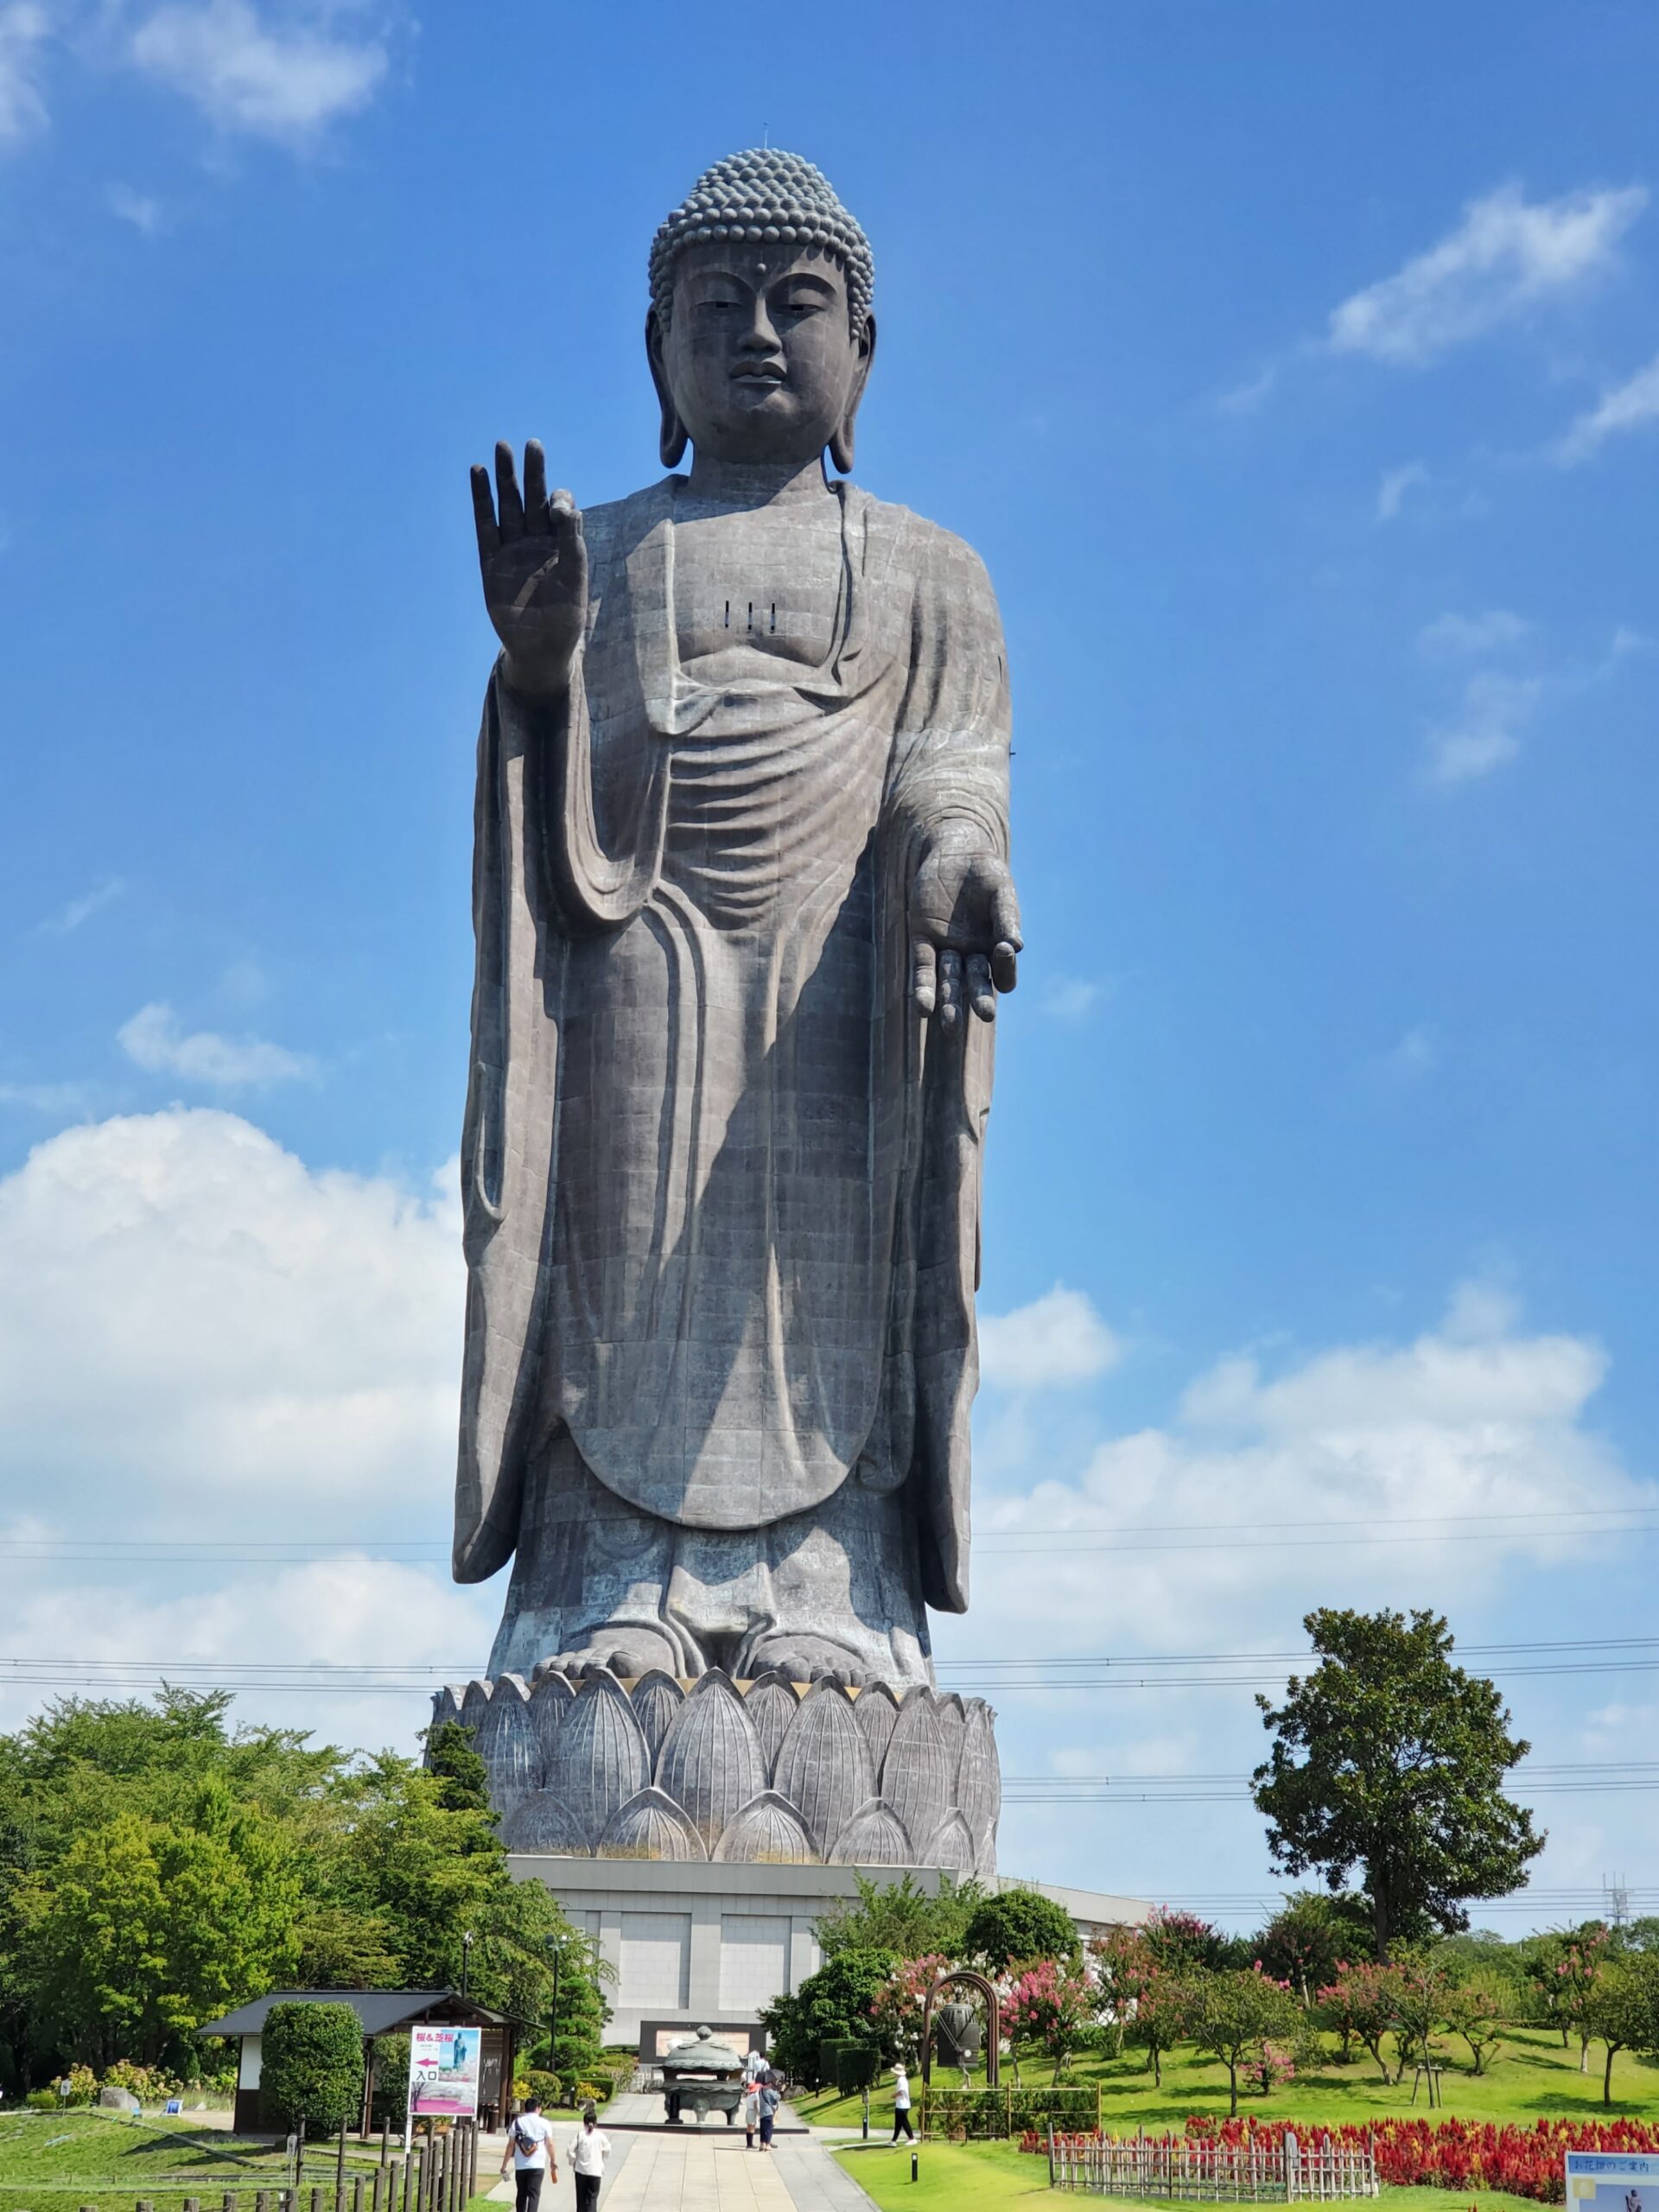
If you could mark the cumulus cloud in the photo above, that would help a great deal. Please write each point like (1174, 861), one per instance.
(1508, 256)
(190, 1316)
(23, 29)
(1219, 1516)
(283, 81)
(1485, 732)
(154, 1041)
(1070, 998)
(137, 208)
(1056, 1340)
(1453, 636)
(1397, 485)
(1631, 405)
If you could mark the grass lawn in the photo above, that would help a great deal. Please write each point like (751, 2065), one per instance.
(987, 2176)
(58, 2161)
(1530, 2078)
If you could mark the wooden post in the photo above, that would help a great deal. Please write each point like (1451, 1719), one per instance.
(357, 2192)
(386, 2141)
(340, 2171)
(227, 2203)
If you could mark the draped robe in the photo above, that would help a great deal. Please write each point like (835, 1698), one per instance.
(721, 1179)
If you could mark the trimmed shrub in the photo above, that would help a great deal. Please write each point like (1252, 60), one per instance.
(849, 2065)
(311, 2070)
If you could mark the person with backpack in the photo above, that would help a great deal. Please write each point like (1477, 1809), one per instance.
(529, 2156)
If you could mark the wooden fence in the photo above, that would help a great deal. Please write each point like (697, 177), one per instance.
(1204, 2169)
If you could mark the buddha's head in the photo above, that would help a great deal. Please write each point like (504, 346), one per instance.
(760, 334)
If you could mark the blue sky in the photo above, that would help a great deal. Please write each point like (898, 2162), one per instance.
(1296, 371)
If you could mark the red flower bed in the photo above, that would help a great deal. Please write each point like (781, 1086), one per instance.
(1444, 2153)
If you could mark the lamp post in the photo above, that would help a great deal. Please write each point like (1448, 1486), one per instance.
(553, 2019)
(466, 1962)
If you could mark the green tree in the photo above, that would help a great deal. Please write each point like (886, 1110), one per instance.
(311, 2065)
(1013, 1927)
(902, 1917)
(1309, 1937)
(1477, 2006)
(1183, 1943)
(1621, 2013)
(462, 1778)
(834, 2005)
(1231, 2015)
(1390, 1758)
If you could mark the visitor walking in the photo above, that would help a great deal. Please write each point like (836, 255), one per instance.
(529, 2156)
(588, 2151)
(771, 2097)
(901, 2104)
(751, 2110)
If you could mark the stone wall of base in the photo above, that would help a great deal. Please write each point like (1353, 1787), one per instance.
(712, 1943)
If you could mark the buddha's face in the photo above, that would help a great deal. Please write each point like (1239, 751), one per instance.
(759, 355)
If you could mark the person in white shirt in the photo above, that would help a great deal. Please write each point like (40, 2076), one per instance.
(529, 2155)
(901, 2105)
(589, 2149)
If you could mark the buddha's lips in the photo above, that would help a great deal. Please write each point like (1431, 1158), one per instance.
(759, 373)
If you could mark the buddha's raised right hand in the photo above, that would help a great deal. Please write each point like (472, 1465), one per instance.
(535, 570)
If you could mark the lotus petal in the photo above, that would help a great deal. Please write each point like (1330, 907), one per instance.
(875, 1709)
(476, 1703)
(650, 1826)
(600, 1758)
(824, 1768)
(772, 1705)
(711, 1763)
(952, 1726)
(657, 1698)
(913, 1773)
(446, 1706)
(979, 1782)
(507, 1743)
(767, 1829)
(875, 1836)
(952, 1845)
(543, 1822)
(551, 1700)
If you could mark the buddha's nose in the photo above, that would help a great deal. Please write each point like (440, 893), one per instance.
(760, 337)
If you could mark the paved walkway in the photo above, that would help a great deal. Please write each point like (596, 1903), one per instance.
(701, 2169)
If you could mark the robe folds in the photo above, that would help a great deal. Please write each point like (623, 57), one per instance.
(721, 1179)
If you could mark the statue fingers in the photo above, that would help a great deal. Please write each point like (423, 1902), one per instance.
(484, 514)
(535, 485)
(980, 996)
(924, 974)
(1005, 966)
(949, 989)
(1005, 915)
(509, 506)
(564, 520)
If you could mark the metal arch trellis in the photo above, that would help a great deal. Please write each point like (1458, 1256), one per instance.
(987, 1989)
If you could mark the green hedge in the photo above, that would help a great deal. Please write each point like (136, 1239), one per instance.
(987, 2115)
(850, 2065)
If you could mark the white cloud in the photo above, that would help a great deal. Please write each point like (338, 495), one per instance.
(1486, 732)
(69, 918)
(135, 207)
(282, 82)
(191, 1320)
(1451, 636)
(1397, 483)
(1415, 1056)
(1057, 1339)
(1471, 1418)
(1069, 998)
(154, 1041)
(1630, 406)
(23, 33)
(1507, 255)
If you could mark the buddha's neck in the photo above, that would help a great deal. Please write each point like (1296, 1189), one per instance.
(756, 484)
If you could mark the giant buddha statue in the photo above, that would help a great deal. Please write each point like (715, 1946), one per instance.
(743, 910)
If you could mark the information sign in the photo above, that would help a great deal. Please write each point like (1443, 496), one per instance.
(1612, 2180)
(443, 2069)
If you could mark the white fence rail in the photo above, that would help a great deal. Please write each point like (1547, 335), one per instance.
(1204, 2171)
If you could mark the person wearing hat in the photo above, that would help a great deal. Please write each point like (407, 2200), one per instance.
(590, 2148)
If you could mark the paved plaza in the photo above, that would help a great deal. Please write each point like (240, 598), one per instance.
(707, 2168)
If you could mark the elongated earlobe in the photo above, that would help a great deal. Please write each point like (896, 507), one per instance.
(672, 439)
(841, 445)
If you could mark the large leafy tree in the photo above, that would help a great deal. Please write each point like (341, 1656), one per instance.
(1390, 1758)
(1013, 1927)
(838, 2003)
(311, 2065)
(903, 1918)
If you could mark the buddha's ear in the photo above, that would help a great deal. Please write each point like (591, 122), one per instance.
(672, 439)
(841, 442)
